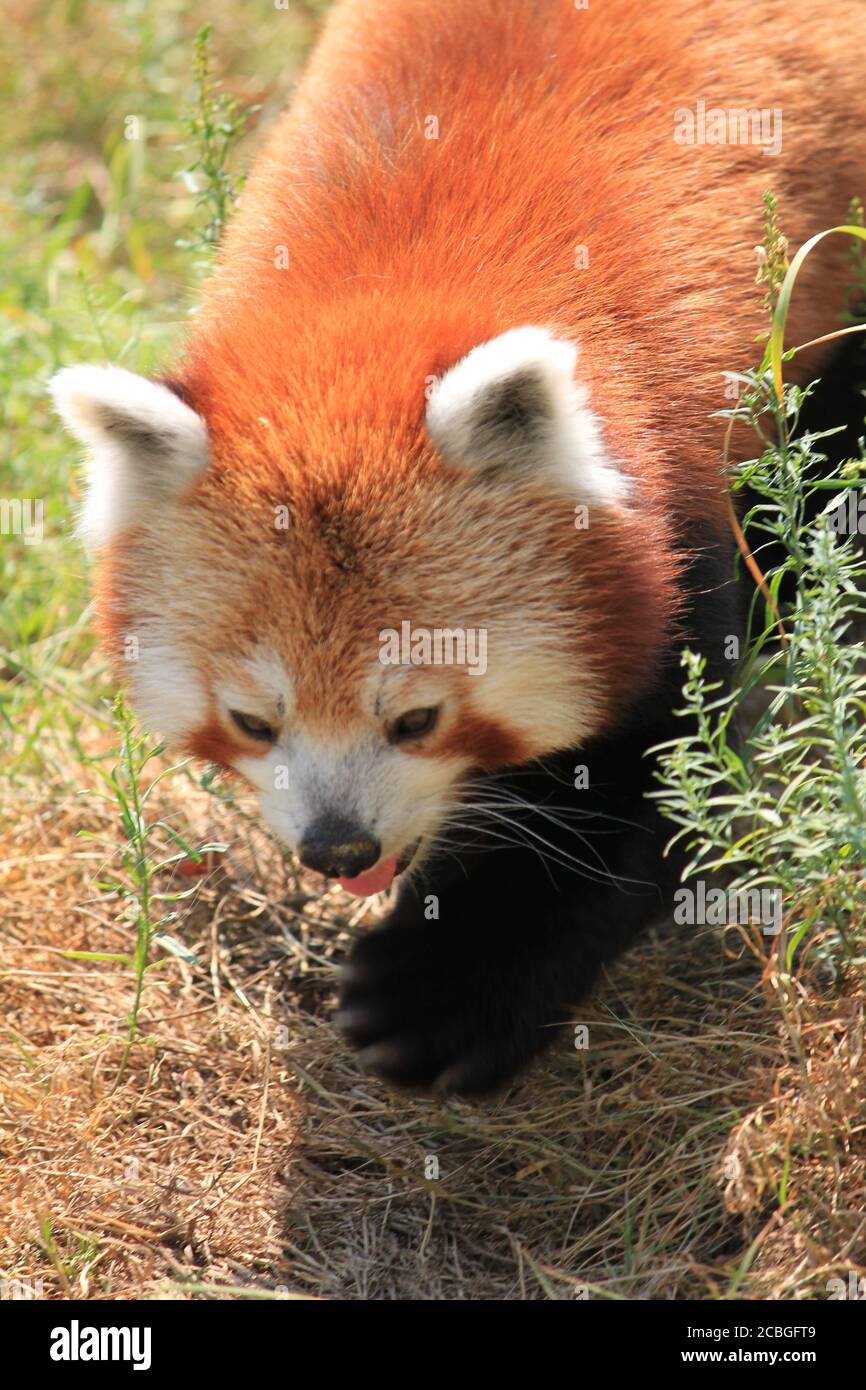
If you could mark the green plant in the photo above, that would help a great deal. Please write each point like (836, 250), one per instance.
(769, 787)
(214, 126)
(134, 885)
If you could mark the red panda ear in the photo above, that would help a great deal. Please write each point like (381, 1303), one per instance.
(512, 406)
(144, 445)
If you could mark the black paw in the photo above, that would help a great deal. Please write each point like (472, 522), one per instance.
(423, 1014)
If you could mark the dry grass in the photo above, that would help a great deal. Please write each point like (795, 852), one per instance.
(245, 1149)
(709, 1143)
(176, 1171)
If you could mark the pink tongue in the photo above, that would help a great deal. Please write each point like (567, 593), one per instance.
(375, 880)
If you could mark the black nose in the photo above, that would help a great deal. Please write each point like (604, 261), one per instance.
(338, 848)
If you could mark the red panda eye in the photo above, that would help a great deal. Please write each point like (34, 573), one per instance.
(252, 726)
(413, 724)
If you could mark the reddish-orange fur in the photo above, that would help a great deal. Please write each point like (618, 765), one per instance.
(555, 131)
(486, 743)
(212, 744)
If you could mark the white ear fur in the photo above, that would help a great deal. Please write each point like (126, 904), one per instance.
(144, 446)
(513, 405)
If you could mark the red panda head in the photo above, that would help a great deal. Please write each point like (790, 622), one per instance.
(358, 631)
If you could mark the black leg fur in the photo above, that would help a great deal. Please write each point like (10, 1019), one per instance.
(462, 1001)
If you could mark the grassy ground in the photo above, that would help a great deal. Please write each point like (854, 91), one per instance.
(709, 1144)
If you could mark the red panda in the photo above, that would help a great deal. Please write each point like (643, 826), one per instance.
(453, 382)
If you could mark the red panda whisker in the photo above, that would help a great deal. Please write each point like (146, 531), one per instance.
(545, 809)
(565, 857)
(557, 854)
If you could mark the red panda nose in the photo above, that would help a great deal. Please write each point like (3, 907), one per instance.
(338, 848)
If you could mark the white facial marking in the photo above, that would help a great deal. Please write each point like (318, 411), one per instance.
(513, 403)
(388, 792)
(261, 687)
(167, 689)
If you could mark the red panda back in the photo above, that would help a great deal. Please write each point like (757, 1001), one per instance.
(448, 171)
